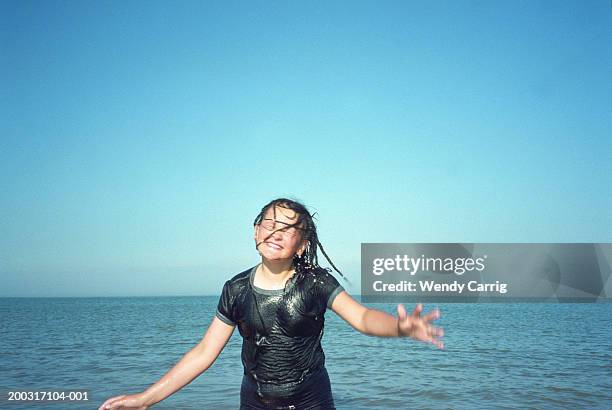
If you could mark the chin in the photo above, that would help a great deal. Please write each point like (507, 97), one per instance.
(275, 257)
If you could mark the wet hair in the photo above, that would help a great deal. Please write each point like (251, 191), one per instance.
(308, 261)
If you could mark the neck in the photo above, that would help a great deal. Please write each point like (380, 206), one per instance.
(277, 271)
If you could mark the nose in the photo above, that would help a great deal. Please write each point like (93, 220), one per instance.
(276, 235)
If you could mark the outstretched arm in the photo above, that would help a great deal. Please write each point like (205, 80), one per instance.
(194, 363)
(376, 323)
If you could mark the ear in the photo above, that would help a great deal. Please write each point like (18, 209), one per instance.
(255, 232)
(303, 247)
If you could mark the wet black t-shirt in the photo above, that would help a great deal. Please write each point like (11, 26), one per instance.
(282, 328)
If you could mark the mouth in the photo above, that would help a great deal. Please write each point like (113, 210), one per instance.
(274, 246)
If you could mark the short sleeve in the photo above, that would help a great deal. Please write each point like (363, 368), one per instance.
(330, 287)
(225, 306)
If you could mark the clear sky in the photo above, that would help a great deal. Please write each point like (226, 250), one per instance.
(139, 139)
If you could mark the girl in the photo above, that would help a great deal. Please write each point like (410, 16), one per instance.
(279, 308)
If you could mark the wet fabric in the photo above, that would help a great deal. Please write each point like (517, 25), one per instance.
(314, 393)
(282, 331)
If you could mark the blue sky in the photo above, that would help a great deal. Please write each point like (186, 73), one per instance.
(140, 139)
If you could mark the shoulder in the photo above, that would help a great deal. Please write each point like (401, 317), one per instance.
(323, 284)
(233, 291)
(324, 277)
(322, 280)
(240, 279)
(238, 284)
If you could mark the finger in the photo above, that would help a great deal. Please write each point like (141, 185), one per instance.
(117, 404)
(417, 310)
(401, 312)
(438, 343)
(436, 331)
(433, 315)
(109, 401)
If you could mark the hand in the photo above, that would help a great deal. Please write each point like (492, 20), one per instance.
(133, 401)
(419, 328)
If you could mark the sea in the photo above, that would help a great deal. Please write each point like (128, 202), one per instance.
(502, 356)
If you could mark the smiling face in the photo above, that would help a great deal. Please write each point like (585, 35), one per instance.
(276, 238)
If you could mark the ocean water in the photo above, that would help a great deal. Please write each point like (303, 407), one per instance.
(496, 355)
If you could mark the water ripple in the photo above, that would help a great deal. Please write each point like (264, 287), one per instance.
(515, 356)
